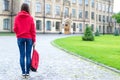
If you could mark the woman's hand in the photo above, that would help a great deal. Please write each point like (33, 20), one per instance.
(34, 45)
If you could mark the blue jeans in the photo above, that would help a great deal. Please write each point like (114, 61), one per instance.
(25, 46)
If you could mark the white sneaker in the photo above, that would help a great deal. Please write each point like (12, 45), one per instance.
(27, 76)
(23, 76)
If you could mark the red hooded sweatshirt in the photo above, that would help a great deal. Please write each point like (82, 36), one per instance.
(24, 26)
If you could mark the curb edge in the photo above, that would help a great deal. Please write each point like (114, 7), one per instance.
(86, 59)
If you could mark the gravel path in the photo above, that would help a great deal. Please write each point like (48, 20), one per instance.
(54, 63)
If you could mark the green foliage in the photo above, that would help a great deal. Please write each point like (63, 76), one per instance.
(105, 49)
(116, 32)
(97, 33)
(88, 35)
(117, 17)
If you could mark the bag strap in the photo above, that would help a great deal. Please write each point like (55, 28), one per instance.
(33, 47)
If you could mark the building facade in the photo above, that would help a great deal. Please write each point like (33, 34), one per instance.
(61, 16)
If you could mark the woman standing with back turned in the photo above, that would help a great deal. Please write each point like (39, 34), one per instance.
(26, 37)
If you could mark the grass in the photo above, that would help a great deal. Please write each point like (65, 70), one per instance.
(105, 49)
(6, 34)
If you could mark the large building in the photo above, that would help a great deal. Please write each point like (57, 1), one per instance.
(61, 16)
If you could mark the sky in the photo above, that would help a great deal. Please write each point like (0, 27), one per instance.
(116, 6)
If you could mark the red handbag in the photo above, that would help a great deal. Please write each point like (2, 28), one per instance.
(35, 60)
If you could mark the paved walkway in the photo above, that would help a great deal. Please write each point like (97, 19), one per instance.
(54, 63)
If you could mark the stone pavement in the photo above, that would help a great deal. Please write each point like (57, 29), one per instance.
(54, 63)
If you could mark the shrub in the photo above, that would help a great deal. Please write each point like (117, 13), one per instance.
(88, 35)
(116, 32)
(97, 33)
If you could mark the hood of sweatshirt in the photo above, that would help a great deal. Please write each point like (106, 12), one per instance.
(23, 14)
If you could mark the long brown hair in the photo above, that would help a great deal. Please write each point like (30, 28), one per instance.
(25, 7)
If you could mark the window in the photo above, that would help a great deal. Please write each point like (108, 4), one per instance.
(73, 13)
(107, 18)
(99, 17)
(80, 2)
(58, 0)
(110, 9)
(92, 27)
(57, 26)
(73, 1)
(96, 5)
(103, 7)
(107, 8)
(103, 18)
(80, 27)
(38, 7)
(6, 5)
(110, 19)
(99, 28)
(66, 11)
(6, 24)
(86, 2)
(110, 0)
(27, 1)
(96, 17)
(92, 15)
(86, 25)
(86, 14)
(80, 13)
(57, 10)
(99, 6)
(74, 26)
(47, 8)
(92, 3)
(48, 26)
(38, 24)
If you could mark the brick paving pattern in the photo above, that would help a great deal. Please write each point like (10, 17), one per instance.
(54, 63)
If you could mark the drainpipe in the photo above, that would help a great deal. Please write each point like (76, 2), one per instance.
(62, 16)
(11, 15)
(44, 19)
(84, 16)
(109, 17)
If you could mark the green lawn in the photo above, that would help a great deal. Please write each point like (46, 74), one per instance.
(105, 49)
(6, 34)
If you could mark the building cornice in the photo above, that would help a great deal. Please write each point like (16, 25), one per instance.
(7, 15)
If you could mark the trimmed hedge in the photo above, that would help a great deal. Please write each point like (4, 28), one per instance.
(97, 33)
(88, 35)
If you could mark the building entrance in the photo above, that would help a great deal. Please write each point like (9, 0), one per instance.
(67, 26)
(66, 29)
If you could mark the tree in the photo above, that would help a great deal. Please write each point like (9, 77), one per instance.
(88, 35)
(117, 17)
(97, 33)
(116, 32)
